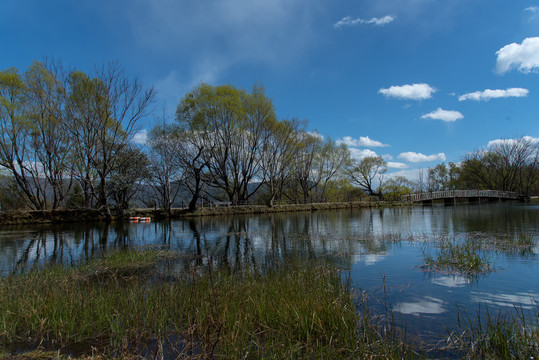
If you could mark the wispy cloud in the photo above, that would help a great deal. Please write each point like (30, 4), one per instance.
(363, 141)
(348, 21)
(524, 57)
(444, 115)
(488, 94)
(141, 137)
(409, 92)
(414, 157)
(530, 139)
(207, 38)
(396, 165)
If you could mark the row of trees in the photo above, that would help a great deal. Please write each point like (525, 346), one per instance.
(64, 130)
(507, 165)
(227, 144)
(66, 141)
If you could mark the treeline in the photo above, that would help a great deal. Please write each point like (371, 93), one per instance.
(64, 133)
(66, 141)
(507, 165)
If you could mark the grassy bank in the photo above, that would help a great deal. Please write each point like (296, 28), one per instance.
(130, 304)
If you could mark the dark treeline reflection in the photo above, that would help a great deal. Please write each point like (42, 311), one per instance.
(239, 242)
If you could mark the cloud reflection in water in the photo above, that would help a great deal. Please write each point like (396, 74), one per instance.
(428, 305)
(525, 300)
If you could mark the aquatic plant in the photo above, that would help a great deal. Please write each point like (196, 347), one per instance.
(452, 255)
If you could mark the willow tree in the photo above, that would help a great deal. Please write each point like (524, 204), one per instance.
(366, 172)
(166, 167)
(104, 111)
(15, 141)
(50, 140)
(230, 124)
(278, 155)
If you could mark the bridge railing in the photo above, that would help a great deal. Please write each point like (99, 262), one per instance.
(447, 194)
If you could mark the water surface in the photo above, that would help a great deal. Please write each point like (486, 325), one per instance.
(381, 249)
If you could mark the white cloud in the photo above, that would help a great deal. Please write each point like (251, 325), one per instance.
(533, 9)
(418, 157)
(359, 154)
(444, 115)
(396, 165)
(497, 142)
(141, 137)
(316, 134)
(409, 92)
(488, 94)
(524, 57)
(362, 141)
(428, 305)
(451, 281)
(348, 21)
(520, 300)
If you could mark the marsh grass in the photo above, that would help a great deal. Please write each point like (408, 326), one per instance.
(464, 257)
(521, 243)
(116, 305)
(128, 305)
(504, 335)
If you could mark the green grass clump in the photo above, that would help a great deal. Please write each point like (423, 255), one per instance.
(465, 257)
(507, 335)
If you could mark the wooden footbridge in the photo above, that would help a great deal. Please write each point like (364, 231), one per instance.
(451, 196)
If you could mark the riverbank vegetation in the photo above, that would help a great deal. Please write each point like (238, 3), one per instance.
(137, 303)
(73, 140)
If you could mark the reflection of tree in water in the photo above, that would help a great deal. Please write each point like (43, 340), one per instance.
(255, 242)
(497, 218)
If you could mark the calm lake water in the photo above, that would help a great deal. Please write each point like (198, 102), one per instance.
(382, 250)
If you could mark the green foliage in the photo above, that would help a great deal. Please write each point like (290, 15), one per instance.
(364, 172)
(395, 188)
(507, 165)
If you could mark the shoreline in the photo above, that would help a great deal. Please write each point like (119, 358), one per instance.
(24, 217)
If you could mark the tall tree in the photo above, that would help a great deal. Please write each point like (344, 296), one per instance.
(231, 123)
(278, 155)
(166, 167)
(16, 153)
(364, 172)
(131, 170)
(306, 161)
(50, 141)
(104, 111)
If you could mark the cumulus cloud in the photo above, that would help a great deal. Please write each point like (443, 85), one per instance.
(348, 21)
(414, 157)
(396, 165)
(497, 142)
(409, 92)
(359, 154)
(316, 134)
(488, 94)
(140, 137)
(524, 57)
(363, 141)
(444, 115)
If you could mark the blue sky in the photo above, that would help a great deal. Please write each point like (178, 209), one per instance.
(416, 81)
